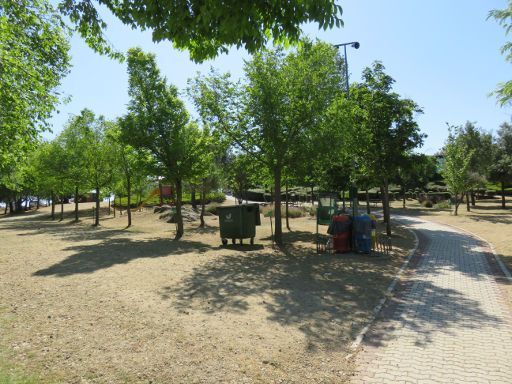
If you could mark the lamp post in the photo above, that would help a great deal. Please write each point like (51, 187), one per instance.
(353, 44)
(353, 189)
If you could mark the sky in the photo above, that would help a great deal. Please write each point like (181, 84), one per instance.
(443, 54)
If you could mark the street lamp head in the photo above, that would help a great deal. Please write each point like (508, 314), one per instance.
(355, 45)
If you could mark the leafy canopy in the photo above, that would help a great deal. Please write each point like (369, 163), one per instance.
(33, 60)
(205, 27)
(504, 18)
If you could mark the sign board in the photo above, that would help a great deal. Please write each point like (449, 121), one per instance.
(167, 191)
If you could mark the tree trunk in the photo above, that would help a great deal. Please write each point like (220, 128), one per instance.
(468, 207)
(387, 215)
(76, 202)
(19, 204)
(11, 207)
(193, 198)
(502, 195)
(277, 206)
(114, 206)
(343, 198)
(382, 197)
(179, 218)
(61, 208)
(287, 218)
(367, 201)
(473, 198)
(6, 207)
(160, 189)
(457, 202)
(97, 216)
(203, 203)
(312, 197)
(37, 203)
(403, 195)
(129, 200)
(109, 205)
(52, 196)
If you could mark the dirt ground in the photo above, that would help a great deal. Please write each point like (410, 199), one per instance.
(486, 220)
(80, 304)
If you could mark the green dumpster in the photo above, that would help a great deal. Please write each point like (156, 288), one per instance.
(238, 222)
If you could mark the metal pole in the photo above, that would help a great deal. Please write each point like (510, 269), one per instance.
(346, 70)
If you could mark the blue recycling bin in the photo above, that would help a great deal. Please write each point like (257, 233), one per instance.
(362, 227)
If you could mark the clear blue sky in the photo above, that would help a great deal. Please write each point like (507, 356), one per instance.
(443, 54)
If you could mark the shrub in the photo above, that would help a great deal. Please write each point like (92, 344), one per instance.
(427, 203)
(293, 212)
(212, 208)
(215, 197)
(445, 204)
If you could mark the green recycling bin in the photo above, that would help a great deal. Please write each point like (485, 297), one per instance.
(238, 222)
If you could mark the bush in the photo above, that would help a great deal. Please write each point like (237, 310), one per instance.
(293, 212)
(445, 204)
(212, 208)
(215, 197)
(427, 204)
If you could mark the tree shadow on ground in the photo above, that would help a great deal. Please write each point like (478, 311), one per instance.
(71, 231)
(207, 229)
(426, 310)
(118, 250)
(327, 297)
(298, 236)
(504, 219)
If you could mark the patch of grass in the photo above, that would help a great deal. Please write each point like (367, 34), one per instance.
(445, 204)
(10, 375)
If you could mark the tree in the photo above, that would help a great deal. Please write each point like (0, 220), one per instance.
(480, 143)
(415, 172)
(205, 29)
(279, 107)
(129, 162)
(99, 157)
(504, 18)
(457, 162)
(34, 59)
(501, 168)
(75, 139)
(158, 122)
(385, 131)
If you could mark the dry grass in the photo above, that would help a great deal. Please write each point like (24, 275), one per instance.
(108, 305)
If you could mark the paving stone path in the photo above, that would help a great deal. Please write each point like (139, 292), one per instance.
(449, 323)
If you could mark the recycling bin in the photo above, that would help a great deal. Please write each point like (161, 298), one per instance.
(238, 222)
(374, 229)
(340, 229)
(362, 227)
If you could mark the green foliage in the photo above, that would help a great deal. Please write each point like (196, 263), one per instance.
(415, 171)
(212, 208)
(206, 29)
(384, 131)
(293, 212)
(157, 122)
(456, 169)
(503, 91)
(445, 204)
(34, 59)
(274, 115)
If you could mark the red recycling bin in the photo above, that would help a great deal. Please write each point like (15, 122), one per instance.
(341, 239)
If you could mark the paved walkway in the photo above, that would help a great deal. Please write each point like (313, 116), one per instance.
(448, 324)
